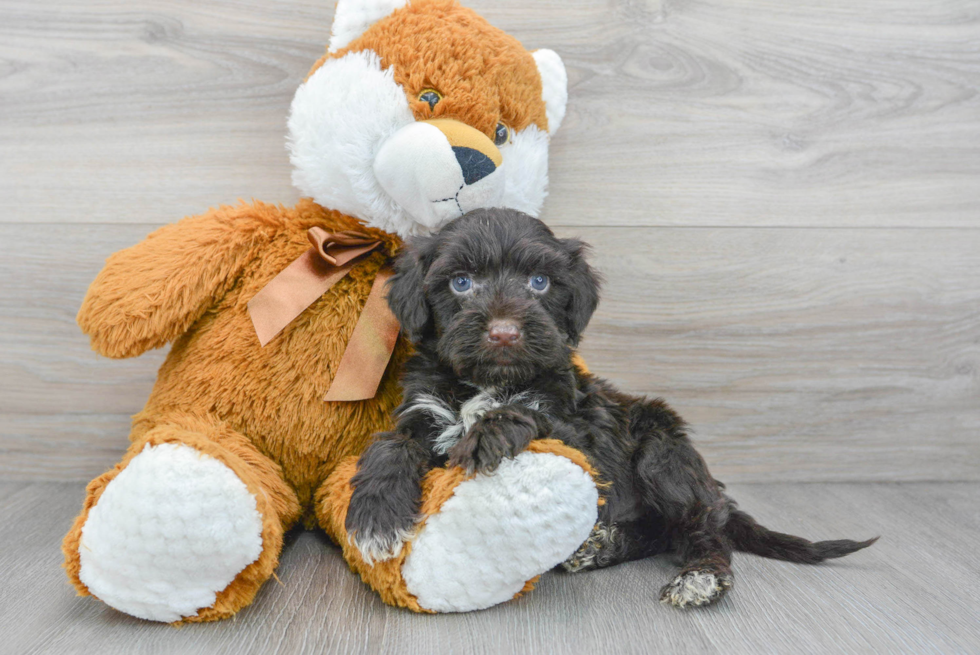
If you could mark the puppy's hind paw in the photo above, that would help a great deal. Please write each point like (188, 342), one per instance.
(695, 588)
(380, 548)
(598, 550)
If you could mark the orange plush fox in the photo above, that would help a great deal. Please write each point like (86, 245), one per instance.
(417, 113)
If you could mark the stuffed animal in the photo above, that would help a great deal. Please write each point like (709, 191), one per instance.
(285, 359)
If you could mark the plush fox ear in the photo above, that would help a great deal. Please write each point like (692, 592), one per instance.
(353, 17)
(554, 86)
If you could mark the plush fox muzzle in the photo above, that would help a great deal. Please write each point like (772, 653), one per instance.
(440, 169)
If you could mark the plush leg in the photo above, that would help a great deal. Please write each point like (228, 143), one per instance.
(186, 527)
(481, 539)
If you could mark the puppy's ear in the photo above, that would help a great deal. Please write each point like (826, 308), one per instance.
(406, 288)
(583, 283)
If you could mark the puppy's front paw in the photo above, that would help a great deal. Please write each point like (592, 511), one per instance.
(500, 433)
(376, 528)
(379, 547)
(696, 588)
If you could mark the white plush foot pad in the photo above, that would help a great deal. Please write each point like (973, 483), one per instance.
(499, 531)
(172, 530)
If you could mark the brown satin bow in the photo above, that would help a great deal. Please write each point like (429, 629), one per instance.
(309, 277)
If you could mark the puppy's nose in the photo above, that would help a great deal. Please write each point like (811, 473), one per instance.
(503, 332)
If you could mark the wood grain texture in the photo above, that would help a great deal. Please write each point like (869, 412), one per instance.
(808, 352)
(831, 355)
(915, 591)
(681, 112)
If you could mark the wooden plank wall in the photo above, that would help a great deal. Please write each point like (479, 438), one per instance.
(784, 198)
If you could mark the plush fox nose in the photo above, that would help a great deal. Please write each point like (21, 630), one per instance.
(476, 153)
(503, 332)
(474, 163)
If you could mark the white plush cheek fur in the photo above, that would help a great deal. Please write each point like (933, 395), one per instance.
(338, 121)
(356, 148)
(417, 167)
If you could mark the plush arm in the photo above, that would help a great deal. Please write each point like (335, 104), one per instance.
(152, 293)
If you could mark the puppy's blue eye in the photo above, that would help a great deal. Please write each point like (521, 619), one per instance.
(461, 283)
(539, 282)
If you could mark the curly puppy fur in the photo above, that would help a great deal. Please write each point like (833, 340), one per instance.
(495, 304)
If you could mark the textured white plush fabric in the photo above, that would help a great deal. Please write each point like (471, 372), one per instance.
(351, 19)
(500, 530)
(170, 531)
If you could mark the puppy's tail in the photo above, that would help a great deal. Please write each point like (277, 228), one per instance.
(748, 536)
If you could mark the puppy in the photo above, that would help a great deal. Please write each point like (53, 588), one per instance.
(495, 305)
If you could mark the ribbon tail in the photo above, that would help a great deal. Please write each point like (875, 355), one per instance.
(369, 349)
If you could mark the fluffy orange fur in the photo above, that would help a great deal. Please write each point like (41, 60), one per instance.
(260, 411)
(484, 75)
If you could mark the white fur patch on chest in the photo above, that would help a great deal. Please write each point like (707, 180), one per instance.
(455, 421)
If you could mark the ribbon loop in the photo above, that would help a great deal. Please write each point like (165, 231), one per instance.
(303, 282)
(338, 248)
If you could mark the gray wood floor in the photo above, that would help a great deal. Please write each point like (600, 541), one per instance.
(915, 591)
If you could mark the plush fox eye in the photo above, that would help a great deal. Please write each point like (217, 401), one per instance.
(461, 283)
(501, 135)
(539, 282)
(430, 96)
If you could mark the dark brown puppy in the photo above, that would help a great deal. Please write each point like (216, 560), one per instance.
(495, 304)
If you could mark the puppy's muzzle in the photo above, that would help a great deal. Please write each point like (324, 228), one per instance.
(504, 333)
